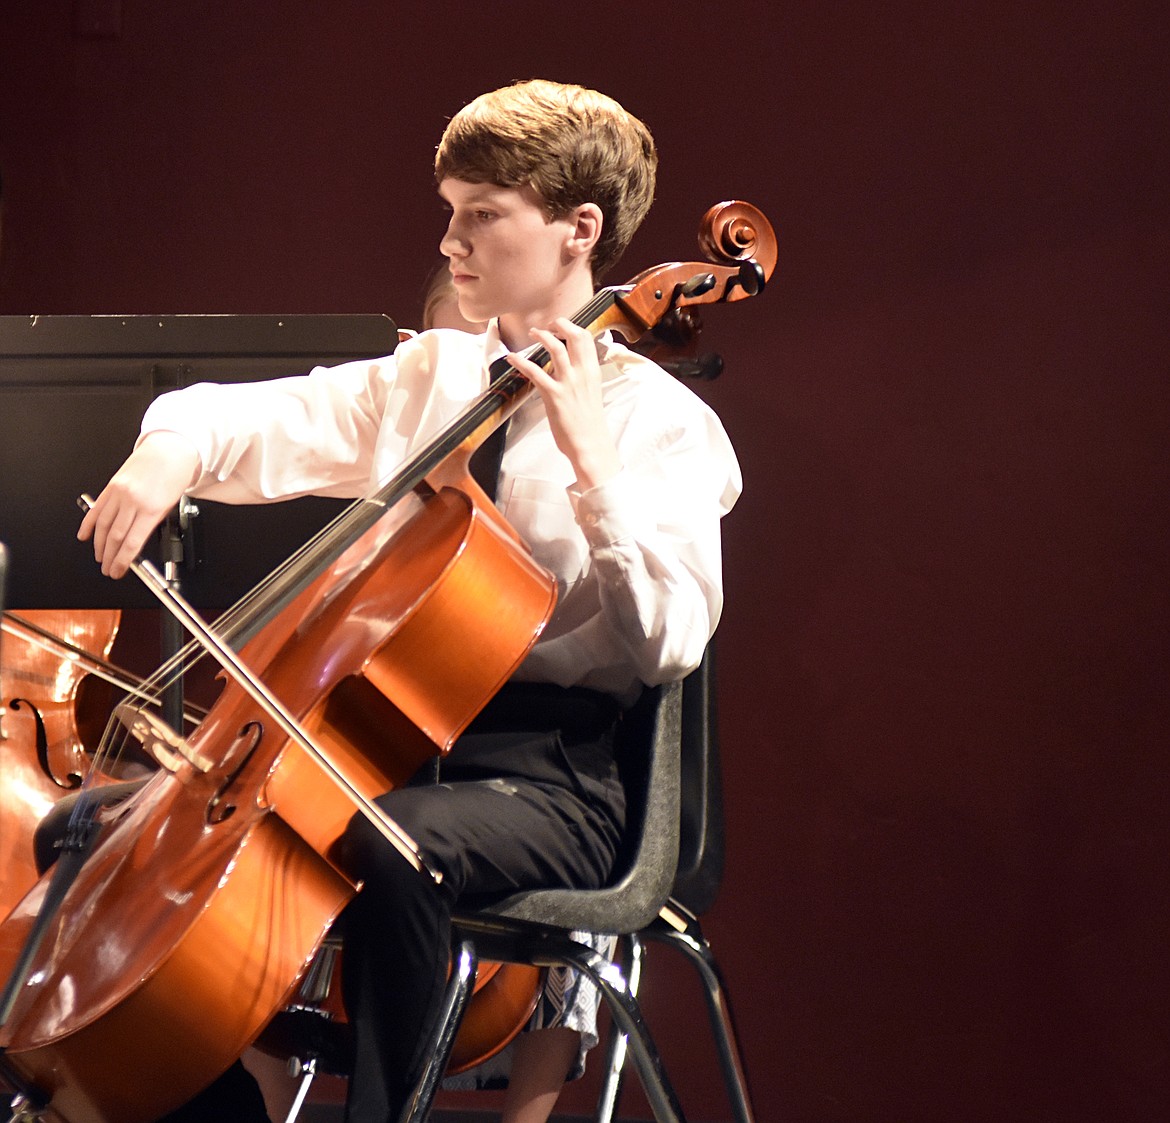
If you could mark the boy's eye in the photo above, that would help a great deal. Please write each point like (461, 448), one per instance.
(483, 216)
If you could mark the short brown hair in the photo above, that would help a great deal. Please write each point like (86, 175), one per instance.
(569, 144)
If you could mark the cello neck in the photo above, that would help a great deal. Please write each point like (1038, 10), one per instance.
(507, 389)
(741, 250)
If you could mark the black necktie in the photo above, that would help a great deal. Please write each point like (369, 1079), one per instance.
(485, 461)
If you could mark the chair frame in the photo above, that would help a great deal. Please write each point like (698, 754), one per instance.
(673, 727)
(697, 881)
(680, 929)
(534, 927)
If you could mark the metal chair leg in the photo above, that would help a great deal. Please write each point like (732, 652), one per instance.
(681, 930)
(23, 1111)
(617, 1045)
(459, 988)
(308, 1072)
(627, 1016)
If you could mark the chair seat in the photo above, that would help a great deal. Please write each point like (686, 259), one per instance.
(535, 926)
(648, 746)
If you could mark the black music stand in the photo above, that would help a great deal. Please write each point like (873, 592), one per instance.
(72, 392)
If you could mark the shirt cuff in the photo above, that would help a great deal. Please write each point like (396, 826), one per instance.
(604, 513)
(197, 473)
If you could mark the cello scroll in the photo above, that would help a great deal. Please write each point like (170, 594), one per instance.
(741, 248)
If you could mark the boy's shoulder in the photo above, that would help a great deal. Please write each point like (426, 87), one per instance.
(633, 378)
(620, 360)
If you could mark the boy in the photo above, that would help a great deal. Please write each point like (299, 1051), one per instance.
(613, 473)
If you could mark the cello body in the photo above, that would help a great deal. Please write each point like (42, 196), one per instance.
(50, 725)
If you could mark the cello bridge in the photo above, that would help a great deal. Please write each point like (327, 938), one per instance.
(159, 739)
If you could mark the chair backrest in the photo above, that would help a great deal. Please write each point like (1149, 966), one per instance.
(700, 845)
(669, 749)
(650, 748)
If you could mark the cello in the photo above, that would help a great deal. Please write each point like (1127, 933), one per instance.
(56, 694)
(206, 895)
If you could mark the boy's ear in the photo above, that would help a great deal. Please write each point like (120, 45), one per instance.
(587, 222)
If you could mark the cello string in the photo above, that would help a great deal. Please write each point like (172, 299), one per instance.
(505, 387)
(107, 756)
(303, 564)
(91, 664)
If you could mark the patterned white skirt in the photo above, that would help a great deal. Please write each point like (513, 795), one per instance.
(569, 999)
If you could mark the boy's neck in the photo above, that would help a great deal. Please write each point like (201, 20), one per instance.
(567, 300)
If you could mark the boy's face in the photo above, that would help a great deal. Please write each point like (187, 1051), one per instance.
(505, 257)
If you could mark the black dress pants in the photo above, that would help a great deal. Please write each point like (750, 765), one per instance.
(529, 798)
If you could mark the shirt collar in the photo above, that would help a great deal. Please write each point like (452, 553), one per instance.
(494, 347)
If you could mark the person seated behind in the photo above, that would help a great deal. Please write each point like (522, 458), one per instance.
(614, 474)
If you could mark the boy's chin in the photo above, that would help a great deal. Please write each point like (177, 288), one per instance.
(474, 311)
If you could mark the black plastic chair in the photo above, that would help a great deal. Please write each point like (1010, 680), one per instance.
(696, 885)
(671, 773)
(535, 927)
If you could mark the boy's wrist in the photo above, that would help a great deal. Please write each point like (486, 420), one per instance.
(594, 467)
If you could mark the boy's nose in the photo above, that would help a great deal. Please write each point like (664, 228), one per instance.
(451, 245)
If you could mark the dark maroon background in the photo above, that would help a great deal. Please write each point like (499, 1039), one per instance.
(944, 654)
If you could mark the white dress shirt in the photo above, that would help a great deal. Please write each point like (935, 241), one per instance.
(637, 559)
